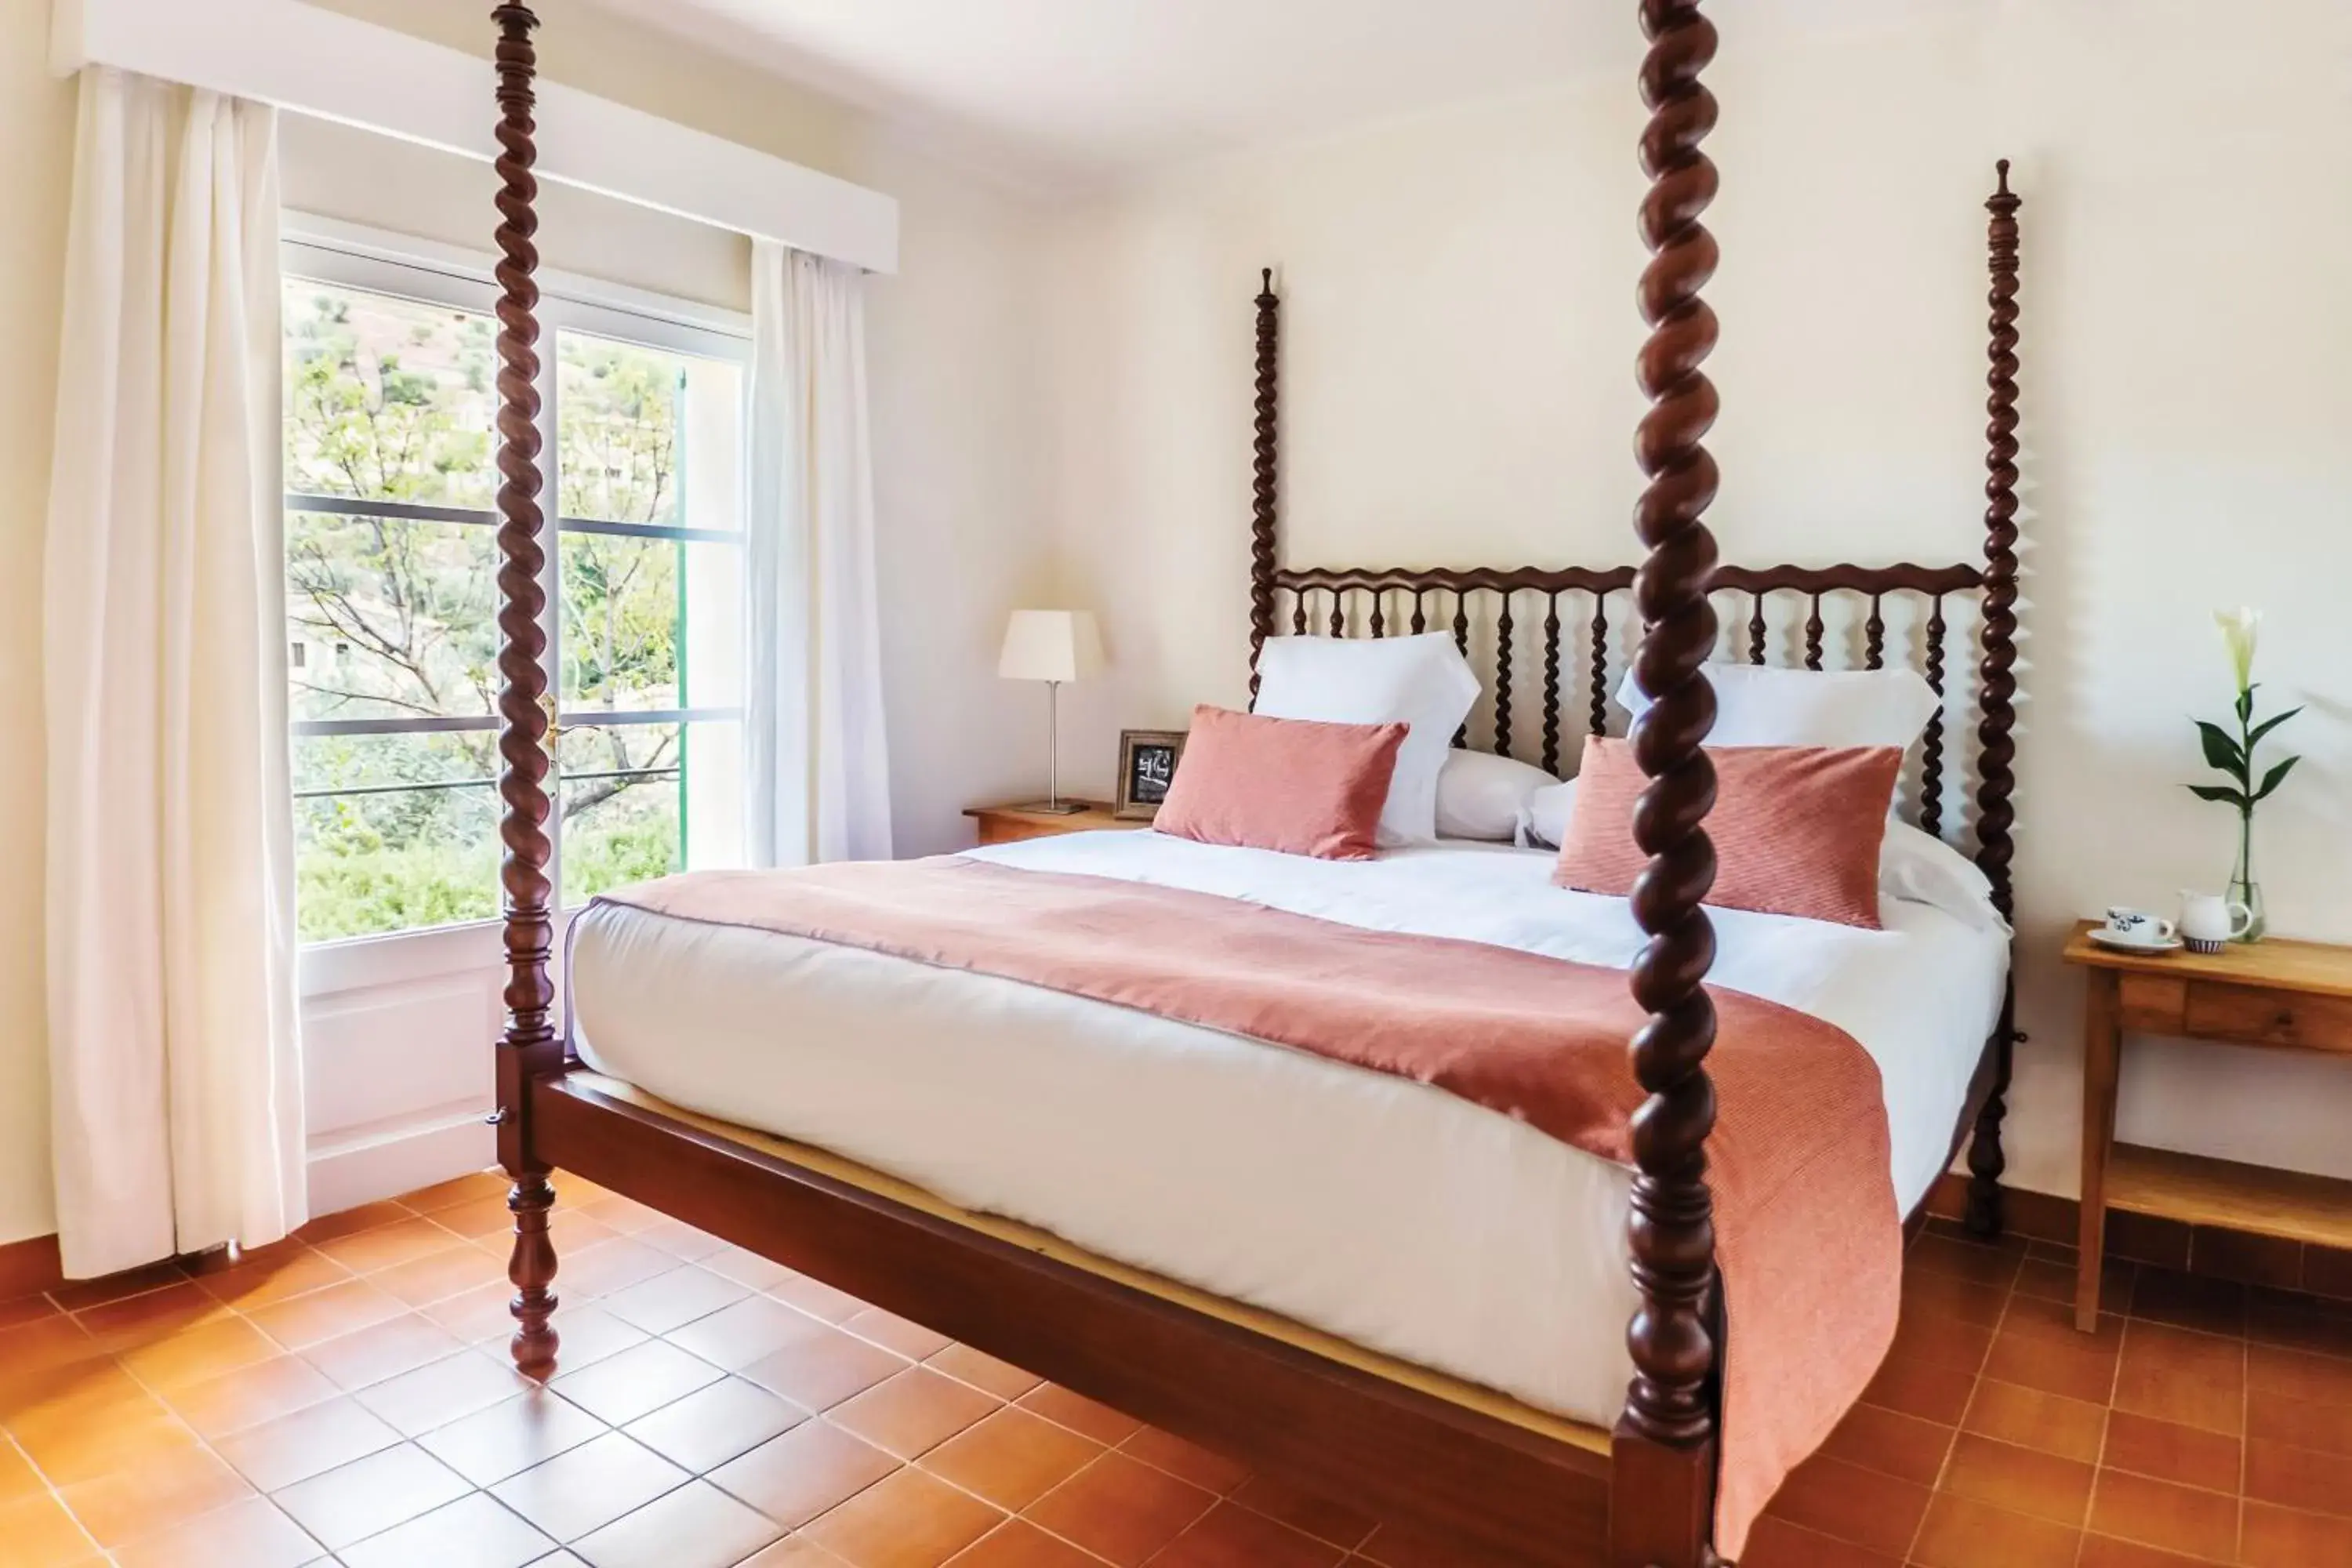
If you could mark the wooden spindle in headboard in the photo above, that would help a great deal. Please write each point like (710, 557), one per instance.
(1265, 475)
(1461, 642)
(1931, 765)
(1813, 630)
(1551, 683)
(1503, 629)
(1756, 629)
(1874, 653)
(1600, 709)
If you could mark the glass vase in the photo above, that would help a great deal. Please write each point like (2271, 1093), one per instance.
(2244, 889)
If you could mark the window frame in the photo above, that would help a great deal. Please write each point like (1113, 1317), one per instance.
(347, 255)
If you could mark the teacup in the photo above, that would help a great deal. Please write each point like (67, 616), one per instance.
(2209, 923)
(2138, 927)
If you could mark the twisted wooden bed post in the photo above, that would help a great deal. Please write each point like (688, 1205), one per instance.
(1997, 751)
(1265, 449)
(530, 1047)
(1663, 1490)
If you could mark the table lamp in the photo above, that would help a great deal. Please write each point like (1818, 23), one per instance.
(1051, 646)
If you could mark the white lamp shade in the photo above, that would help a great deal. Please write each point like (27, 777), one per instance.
(1051, 645)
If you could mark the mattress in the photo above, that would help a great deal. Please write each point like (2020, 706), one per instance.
(1385, 1212)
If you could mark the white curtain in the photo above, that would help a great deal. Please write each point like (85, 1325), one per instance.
(175, 1064)
(818, 763)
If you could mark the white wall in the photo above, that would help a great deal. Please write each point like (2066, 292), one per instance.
(1458, 389)
(954, 362)
(37, 120)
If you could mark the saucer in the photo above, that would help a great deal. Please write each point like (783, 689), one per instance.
(2108, 939)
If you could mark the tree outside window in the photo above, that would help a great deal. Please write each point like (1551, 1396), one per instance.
(391, 603)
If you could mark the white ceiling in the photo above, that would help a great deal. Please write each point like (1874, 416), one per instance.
(1066, 93)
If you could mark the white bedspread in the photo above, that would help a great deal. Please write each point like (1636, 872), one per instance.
(1378, 1209)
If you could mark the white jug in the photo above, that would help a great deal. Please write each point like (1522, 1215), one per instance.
(2210, 922)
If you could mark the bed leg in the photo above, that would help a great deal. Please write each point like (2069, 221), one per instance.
(1986, 1161)
(1986, 1164)
(531, 1266)
(1661, 1503)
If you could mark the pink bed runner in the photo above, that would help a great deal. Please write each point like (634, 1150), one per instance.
(1807, 1235)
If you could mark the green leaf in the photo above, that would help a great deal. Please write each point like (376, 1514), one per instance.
(2266, 726)
(2246, 702)
(2223, 753)
(2227, 796)
(2276, 777)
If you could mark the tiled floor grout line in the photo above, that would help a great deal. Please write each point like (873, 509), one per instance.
(207, 1443)
(134, 1338)
(2107, 1426)
(2106, 1429)
(1975, 1388)
(54, 1495)
(234, 1311)
(1216, 1497)
(2245, 1426)
(2108, 1417)
(2129, 1319)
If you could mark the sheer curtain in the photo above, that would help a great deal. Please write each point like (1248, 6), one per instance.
(174, 1060)
(815, 752)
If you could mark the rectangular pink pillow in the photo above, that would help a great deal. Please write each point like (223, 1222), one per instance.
(1798, 830)
(1297, 785)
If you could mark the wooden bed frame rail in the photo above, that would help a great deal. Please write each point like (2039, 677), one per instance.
(1506, 1480)
(1329, 1428)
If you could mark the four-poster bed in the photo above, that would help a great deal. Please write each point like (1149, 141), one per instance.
(1439, 1453)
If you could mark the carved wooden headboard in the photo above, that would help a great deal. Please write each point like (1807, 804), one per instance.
(1562, 629)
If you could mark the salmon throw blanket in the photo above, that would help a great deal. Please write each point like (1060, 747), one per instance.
(1807, 1235)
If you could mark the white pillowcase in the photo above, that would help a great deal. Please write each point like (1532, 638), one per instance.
(1913, 864)
(1764, 705)
(1544, 818)
(1917, 865)
(1481, 795)
(1422, 681)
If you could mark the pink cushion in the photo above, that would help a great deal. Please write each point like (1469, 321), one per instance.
(1297, 785)
(1797, 829)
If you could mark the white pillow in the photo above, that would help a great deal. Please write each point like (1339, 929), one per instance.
(1484, 796)
(1914, 864)
(1543, 820)
(1422, 681)
(1764, 705)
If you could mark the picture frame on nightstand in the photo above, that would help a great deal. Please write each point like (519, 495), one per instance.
(1147, 766)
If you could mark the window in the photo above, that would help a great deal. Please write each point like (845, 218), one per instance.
(391, 559)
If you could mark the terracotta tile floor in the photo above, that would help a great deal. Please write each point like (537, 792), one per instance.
(343, 1399)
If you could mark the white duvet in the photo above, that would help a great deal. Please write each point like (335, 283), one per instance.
(1383, 1211)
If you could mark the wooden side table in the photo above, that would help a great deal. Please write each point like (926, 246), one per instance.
(1009, 825)
(2287, 995)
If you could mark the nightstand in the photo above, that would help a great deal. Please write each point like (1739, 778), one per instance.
(2285, 995)
(1009, 825)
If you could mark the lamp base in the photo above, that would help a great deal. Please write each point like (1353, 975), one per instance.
(1049, 807)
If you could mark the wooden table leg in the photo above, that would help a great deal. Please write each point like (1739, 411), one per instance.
(2102, 1057)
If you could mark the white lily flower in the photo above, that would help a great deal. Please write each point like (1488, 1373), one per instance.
(2240, 629)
